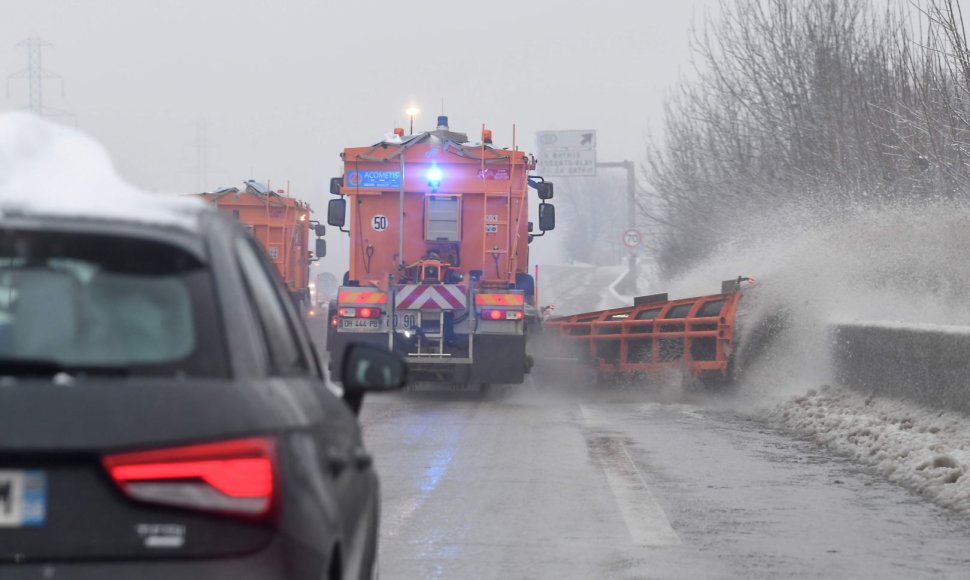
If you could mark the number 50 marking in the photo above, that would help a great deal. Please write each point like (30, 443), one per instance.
(379, 222)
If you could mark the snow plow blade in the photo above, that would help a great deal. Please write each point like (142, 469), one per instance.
(693, 335)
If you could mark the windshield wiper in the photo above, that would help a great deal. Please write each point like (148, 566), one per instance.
(31, 367)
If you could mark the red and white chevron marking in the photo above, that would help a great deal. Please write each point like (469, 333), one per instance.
(430, 296)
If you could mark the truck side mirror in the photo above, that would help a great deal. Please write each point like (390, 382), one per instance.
(337, 212)
(545, 190)
(320, 230)
(547, 217)
(336, 183)
(321, 249)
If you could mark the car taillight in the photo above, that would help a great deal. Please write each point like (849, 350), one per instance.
(364, 312)
(495, 314)
(334, 322)
(234, 477)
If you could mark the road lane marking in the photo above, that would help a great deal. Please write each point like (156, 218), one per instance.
(644, 518)
(426, 484)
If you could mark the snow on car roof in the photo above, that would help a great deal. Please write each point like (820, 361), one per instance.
(47, 169)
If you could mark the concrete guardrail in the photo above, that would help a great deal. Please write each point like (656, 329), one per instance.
(924, 363)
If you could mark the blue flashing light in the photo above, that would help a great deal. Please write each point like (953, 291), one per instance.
(434, 175)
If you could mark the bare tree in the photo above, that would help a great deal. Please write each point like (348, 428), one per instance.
(813, 106)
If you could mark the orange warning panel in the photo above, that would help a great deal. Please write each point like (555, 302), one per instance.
(347, 297)
(499, 299)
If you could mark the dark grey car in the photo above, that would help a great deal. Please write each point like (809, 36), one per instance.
(163, 413)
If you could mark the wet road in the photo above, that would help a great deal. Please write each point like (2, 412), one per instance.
(533, 485)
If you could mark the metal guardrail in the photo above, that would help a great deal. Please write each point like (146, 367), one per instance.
(926, 364)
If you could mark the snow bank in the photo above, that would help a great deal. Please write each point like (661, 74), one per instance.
(50, 169)
(925, 451)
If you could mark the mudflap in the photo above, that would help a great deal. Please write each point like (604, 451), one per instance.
(499, 359)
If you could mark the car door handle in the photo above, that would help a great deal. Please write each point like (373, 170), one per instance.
(363, 459)
(336, 461)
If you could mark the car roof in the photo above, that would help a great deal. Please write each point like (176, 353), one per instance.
(190, 240)
(56, 175)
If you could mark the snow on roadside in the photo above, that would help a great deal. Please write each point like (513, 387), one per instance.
(925, 450)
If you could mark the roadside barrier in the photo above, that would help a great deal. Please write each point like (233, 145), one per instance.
(923, 363)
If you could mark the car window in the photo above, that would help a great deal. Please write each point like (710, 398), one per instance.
(284, 352)
(80, 300)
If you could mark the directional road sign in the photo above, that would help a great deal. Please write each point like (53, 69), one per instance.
(566, 153)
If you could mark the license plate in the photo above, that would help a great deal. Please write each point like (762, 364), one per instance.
(360, 323)
(406, 320)
(23, 498)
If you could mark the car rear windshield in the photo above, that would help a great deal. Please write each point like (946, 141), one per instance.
(85, 303)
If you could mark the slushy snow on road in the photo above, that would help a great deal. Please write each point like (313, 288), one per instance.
(925, 450)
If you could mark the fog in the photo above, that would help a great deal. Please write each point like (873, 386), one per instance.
(204, 93)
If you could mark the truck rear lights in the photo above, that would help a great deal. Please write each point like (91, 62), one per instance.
(365, 312)
(496, 314)
(233, 477)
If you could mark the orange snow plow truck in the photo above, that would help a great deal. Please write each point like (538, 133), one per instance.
(439, 250)
(282, 225)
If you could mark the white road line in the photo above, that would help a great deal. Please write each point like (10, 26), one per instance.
(645, 519)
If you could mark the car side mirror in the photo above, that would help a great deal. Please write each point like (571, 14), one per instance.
(320, 230)
(337, 212)
(321, 249)
(367, 368)
(547, 217)
(336, 183)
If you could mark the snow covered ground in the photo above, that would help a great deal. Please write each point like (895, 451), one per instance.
(925, 450)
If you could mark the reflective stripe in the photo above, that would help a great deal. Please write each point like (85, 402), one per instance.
(362, 298)
(430, 296)
(499, 299)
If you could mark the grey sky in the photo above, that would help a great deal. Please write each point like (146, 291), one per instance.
(284, 86)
